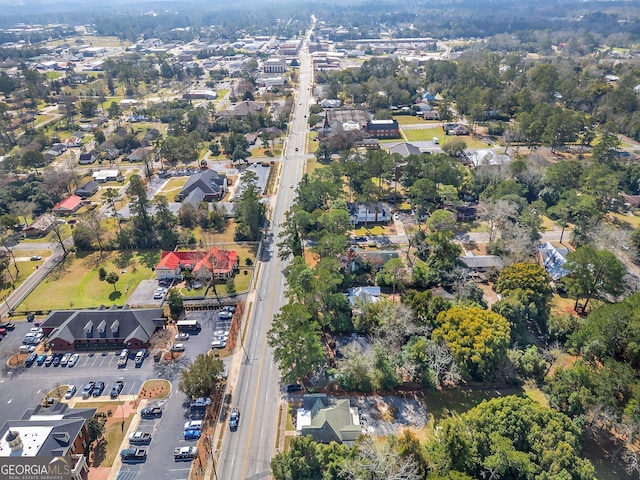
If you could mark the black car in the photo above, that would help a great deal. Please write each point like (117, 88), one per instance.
(8, 325)
(294, 387)
(98, 389)
(88, 388)
(151, 412)
(116, 389)
(56, 360)
(31, 359)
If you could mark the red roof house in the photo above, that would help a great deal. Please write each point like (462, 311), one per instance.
(216, 263)
(68, 205)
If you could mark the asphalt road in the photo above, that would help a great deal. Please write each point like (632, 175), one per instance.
(247, 452)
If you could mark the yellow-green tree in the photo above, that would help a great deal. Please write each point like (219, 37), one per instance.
(478, 338)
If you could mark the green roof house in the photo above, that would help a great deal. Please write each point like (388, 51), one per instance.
(328, 421)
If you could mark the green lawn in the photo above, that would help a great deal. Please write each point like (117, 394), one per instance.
(460, 400)
(423, 134)
(75, 283)
(408, 120)
(173, 187)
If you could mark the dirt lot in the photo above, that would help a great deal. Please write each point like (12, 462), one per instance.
(389, 415)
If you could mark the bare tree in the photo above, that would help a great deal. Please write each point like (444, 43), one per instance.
(379, 463)
(23, 209)
(498, 214)
(440, 360)
(56, 228)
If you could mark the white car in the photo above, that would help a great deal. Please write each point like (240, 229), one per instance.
(218, 343)
(177, 347)
(71, 391)
(73, 359)
(193, 425)
(182, 336)
(35, 330)
(221, 333)
(64, 361)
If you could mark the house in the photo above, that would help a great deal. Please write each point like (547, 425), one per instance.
(57, 149)
(631, 201)
(330, 103)
(375, 259)
(204, 186)
(383, 128)
(201, 95)
(40, 226)
(360, 295)
(368, 213)
(140, 154)
(215, 263)
(482, 263)
(103, 176)
(102, 329)
(455, 129)
(328, 420)
(243, 109)
(405, 149)
(88, 158)
(109, 150)
(86, 190)
(68, 206)
(151, 135)
(72, 142)
(552, 259)
(53, 431)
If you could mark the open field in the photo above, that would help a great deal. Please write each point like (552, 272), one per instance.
(410, 120)
(95, 41)
(173, 187)
(75, 284)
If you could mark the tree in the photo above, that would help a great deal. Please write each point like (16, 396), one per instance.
(379, 462)
(454, 147)
(175, 302)
(478, 338)
(95, 429)
(393, 273)
(250, 211)
(308, 460)
(594, 274)
(33, 159)
(296, 342)
(202, 377)
(112, 278)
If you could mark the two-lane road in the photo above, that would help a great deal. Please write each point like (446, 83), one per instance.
(247, 452)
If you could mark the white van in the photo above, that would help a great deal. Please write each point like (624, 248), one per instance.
(26, 349)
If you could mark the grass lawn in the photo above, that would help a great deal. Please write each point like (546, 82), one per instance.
(423, 134)
(408, 120)
(312, 143)
(173, 187)
(42, 119)
(470, 141)
(216, 237)
(372, 230)
(114, 435)
(74, 283)
(626, 221)
(95, 41)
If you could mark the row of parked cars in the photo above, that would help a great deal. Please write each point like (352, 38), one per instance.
(52, 359)
(95, 389)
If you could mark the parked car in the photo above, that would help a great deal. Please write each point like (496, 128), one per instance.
(71, 391)
(98, 389)
(73, 359)
(30, 359)
(294, 387)
(133, 455)
(200, 402)
(182, 336)
(116, 389)
(36, 258)
(8, 325)
(35, 330)
(185, 453)
(88, 388)
(26, 349)
(157, 355)
(49, 360)
(234, 418)
(56, 360)
(193, 425)
(64, 361)
(192, 434)
(140, 356)
(218, 343)
(151, 412)
(41, 359)
(140, 438)
(177, 347)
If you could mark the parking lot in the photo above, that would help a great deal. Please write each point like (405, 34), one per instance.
(25, 387)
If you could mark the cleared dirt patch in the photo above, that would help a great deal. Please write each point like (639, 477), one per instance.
(155, 389)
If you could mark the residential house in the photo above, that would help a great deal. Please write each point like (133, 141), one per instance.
(88, 158)
(455, 129)
(375, 259)
(151, 135)
(68, 206)
(102, 329)
(205, 186)
(112, 175)
(109, 150)
(631, 201)
(482, 263)
(243, 109)
(328, 420)
(57, 149)
(405, 149)
(40, 226)
(368, 213)
(383, 128)
(552, 259)
(215, 263)
(330, 103)
(363, 295)
(72, 142)
(140, 154)
(51, 431)
(87, 189)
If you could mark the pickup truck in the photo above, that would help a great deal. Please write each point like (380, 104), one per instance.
(133, 455)
(200, 402)
(140, 438)
(151, 412)
(185, 453)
